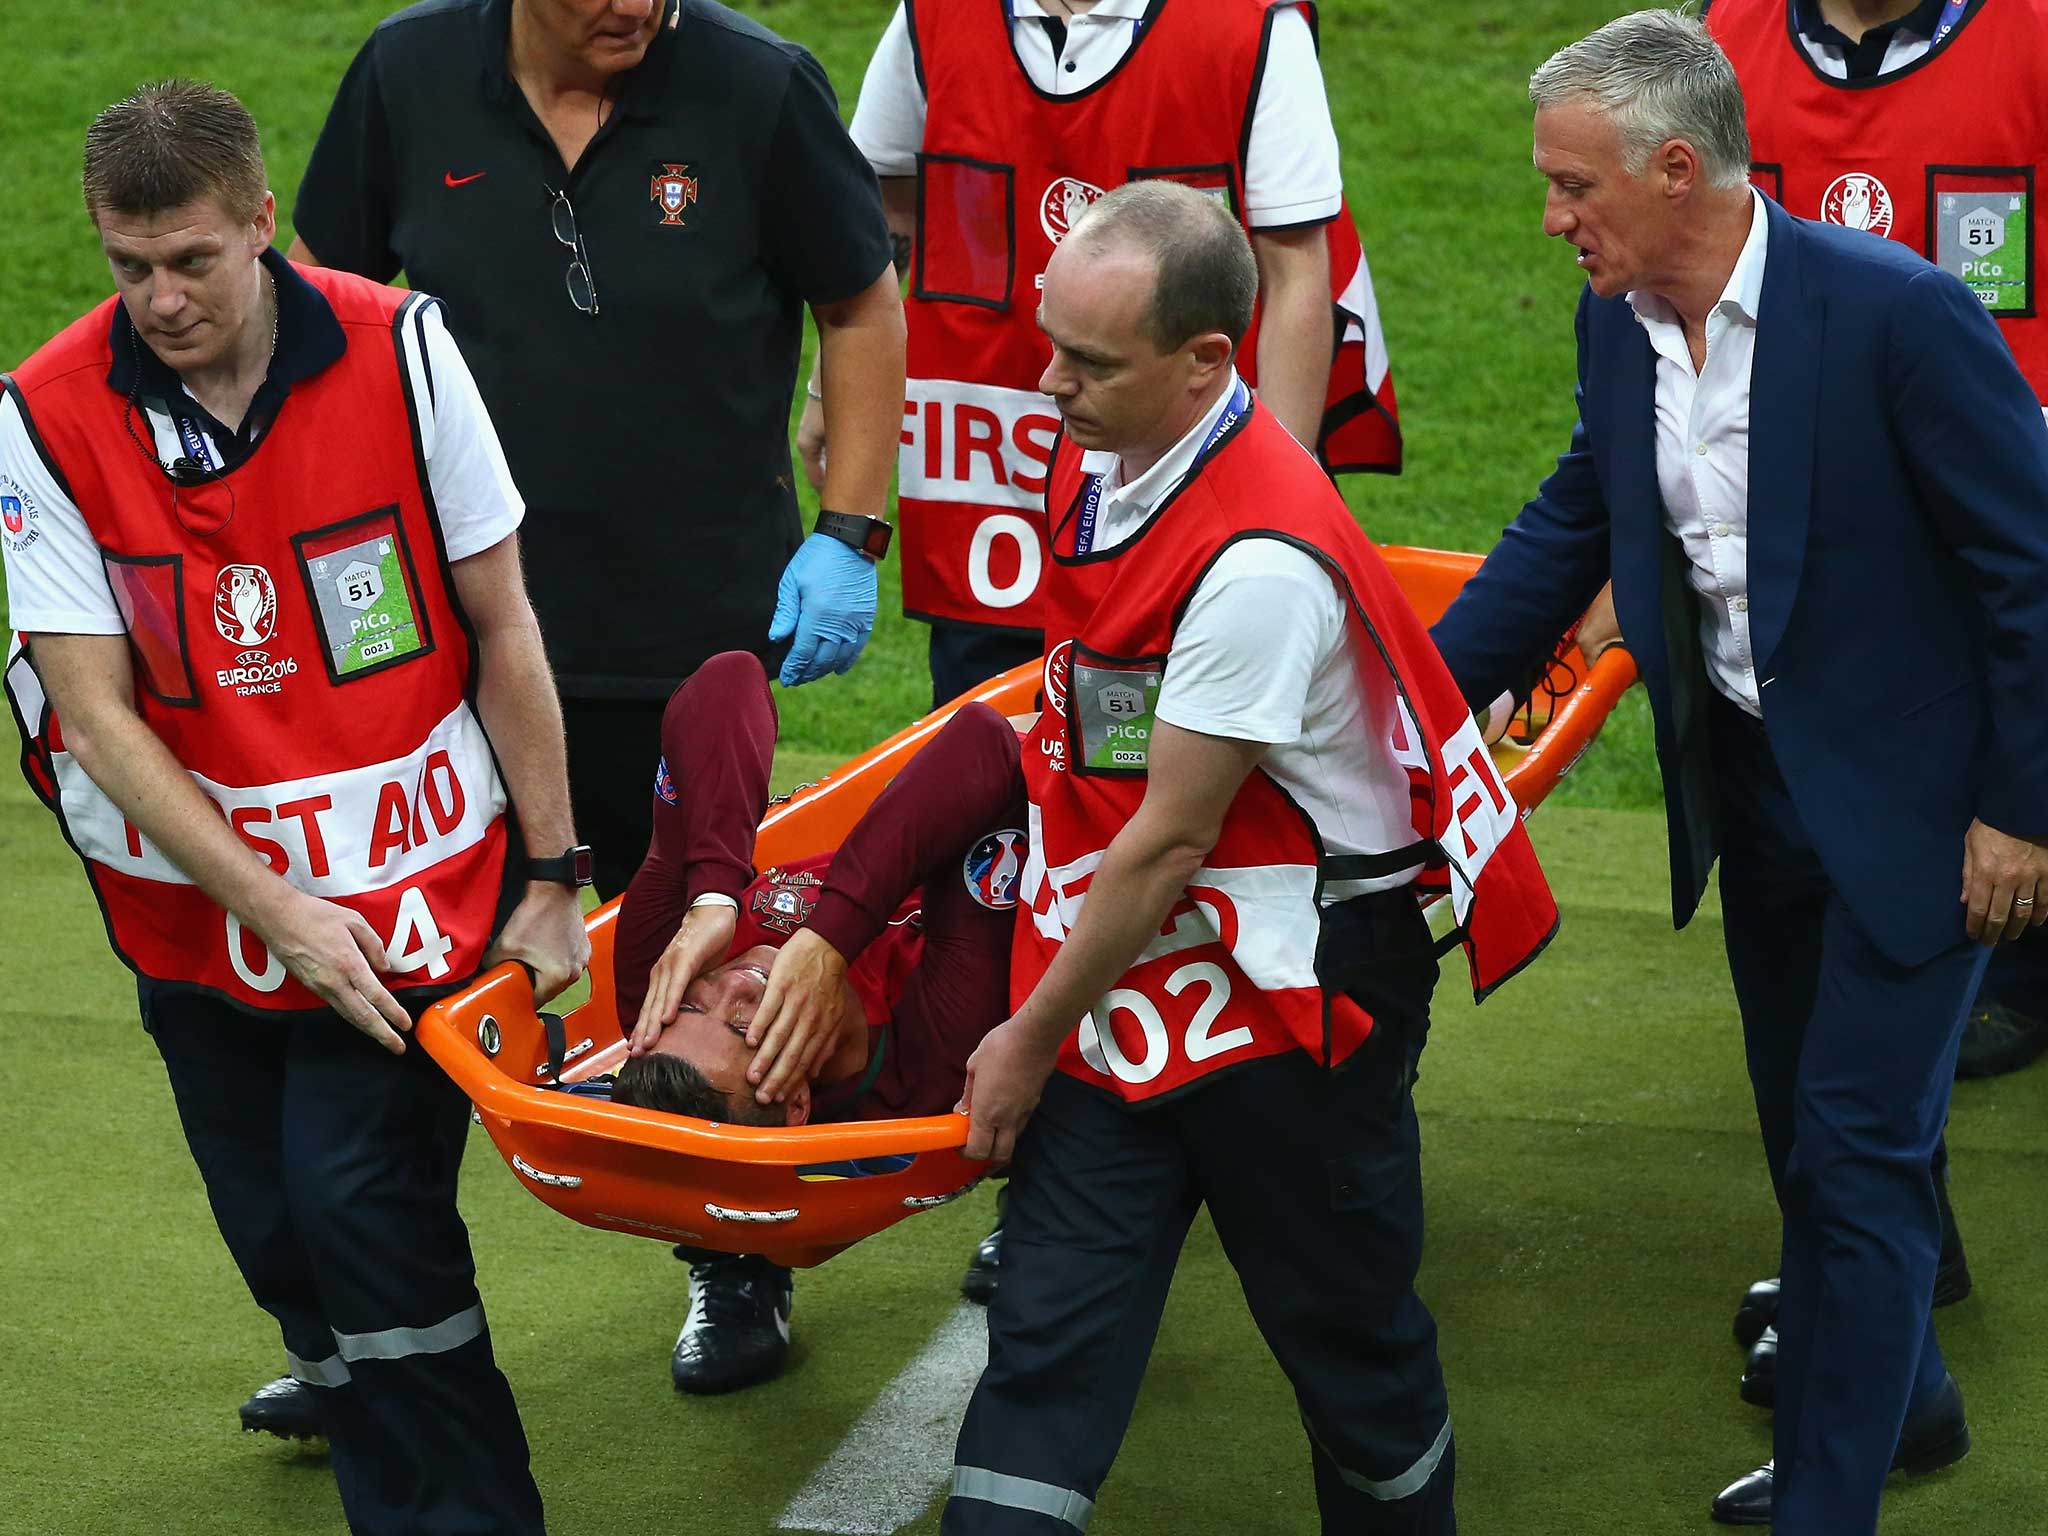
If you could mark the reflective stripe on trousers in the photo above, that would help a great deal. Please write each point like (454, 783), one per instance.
(331, 1372)
(1402, 1486)
(1023, 1493)
(397, 1343)
(386, 1344)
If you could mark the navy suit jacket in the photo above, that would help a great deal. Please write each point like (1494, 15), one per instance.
(1898, 574)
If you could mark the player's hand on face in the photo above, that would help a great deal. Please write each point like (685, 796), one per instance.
(1005, 1076)
(2005, 884)
(332, 950)
(545, 933)
(703, 941)
(799, 1015)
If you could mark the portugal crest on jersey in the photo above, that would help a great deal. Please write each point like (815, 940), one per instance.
(784, 902)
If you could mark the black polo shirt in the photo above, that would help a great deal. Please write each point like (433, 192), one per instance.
(651, 441)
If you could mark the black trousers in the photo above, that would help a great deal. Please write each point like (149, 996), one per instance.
(965, 656)
(614, 745)
(1314, 1181)
(330, 1165)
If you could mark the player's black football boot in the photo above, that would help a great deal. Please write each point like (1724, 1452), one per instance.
(284, 1408)
(737, 1333)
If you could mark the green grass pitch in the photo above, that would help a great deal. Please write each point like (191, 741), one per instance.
(1597, 1196)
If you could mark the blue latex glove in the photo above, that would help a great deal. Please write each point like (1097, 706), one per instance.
(826, 598)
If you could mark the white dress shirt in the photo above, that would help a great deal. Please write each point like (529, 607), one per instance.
(1703, 457)
(1291, 172)
(1264, 653)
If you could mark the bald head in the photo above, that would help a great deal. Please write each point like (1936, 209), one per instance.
(1205, 279)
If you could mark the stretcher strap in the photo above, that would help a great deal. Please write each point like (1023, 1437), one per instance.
(558, 1045)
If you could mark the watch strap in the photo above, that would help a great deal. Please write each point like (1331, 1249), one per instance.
(869, 535)
(577, 867)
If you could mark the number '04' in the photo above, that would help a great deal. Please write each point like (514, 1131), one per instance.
(416, 943)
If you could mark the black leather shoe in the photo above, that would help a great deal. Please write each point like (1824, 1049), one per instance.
(983, 1270)
(1952, 1274)
(1747, 1500)
(284, 1408)
(737, 1333)
(1936, 1437)
(1759, 1310)
(1760, 1374)
(1998, 1039)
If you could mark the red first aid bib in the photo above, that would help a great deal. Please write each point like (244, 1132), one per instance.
(1231, 976)
(1942, 154)
(298, 647)
(1005, 172)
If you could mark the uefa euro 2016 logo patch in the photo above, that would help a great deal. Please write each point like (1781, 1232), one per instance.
(992, 867)
(664, 786)
(1858, 200)
(1062, 203)
(244, 604)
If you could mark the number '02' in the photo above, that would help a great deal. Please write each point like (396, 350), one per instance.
(416, 943)
(1099, 1044)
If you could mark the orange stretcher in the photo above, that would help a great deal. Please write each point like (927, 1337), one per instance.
(801, 1194)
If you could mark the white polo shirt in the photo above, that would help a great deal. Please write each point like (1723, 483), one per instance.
(1291, 172)
(56, 580)
(1263, 653)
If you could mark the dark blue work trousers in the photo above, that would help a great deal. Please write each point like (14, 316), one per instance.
(330, 1165)
(1314, 1181)
(1851, 1058)
(964, 656)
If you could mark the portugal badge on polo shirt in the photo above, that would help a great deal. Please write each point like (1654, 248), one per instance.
(672, 190)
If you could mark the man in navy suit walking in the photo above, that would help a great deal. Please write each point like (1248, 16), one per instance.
(1814, 474)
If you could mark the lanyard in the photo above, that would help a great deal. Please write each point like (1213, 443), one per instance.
(193, 439)
(1091, 498)
(1951, 13)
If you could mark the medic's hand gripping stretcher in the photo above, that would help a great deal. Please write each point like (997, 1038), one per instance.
(801, 1194)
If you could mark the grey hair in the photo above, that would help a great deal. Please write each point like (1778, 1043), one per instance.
(1207, 278)
(1658, 75)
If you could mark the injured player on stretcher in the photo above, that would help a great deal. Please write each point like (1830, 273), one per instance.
(848, 988)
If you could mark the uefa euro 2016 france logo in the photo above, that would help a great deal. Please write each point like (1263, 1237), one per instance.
(244, 604)
(992, 868)
(1858, 201)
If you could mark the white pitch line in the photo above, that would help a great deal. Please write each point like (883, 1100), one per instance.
(887, 1470)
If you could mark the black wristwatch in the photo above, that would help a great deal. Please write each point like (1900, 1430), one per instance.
(575, 868)
(869, 535)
